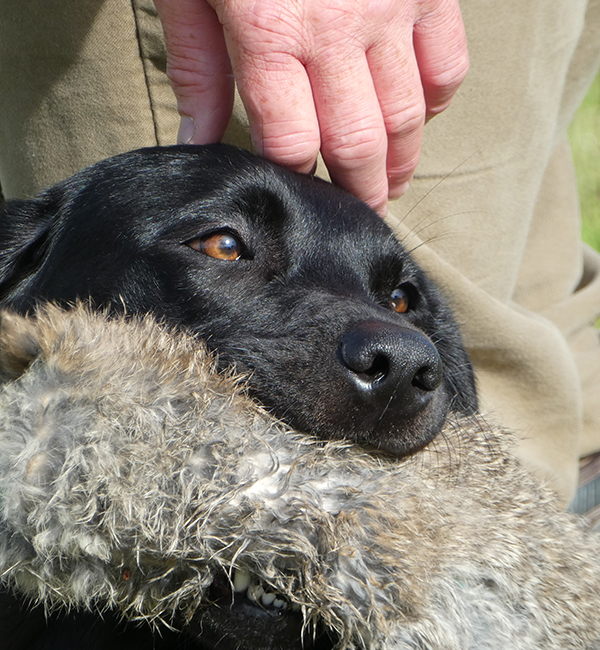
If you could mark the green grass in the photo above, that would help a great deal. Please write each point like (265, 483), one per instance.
(584, 134)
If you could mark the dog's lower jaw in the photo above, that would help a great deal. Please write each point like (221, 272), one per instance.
(410, 435)
(380, 429)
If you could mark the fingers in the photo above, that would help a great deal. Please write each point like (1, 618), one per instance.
(397, 82)
(267, 50)
(306, 86)
(372, 122)
(198, 68)
(353, 79)
(416, 72)
(441, 51)
(283, 122)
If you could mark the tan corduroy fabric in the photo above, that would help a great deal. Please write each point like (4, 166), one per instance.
(492, 212)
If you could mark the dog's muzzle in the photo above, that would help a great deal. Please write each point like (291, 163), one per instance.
(397, 376)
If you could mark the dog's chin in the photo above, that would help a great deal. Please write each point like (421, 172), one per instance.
(395, 431)
(234, 621)
(405, 436)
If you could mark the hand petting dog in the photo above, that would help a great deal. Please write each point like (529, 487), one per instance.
(355, 80)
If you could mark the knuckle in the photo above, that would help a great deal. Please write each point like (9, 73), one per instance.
(403, 170)
(182, 79)
(266, 27)
(296, 151)
(408, 120)
(441, 88)
(188, 82)
(452, 75)
(341, 16)
(184, 63)
(355, 145)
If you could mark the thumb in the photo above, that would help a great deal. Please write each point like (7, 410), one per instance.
(198, 67)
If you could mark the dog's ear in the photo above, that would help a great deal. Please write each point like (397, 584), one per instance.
(24, 229)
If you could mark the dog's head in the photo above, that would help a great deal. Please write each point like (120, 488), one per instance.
(290, 279)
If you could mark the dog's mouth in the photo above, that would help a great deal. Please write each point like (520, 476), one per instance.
(245, 615)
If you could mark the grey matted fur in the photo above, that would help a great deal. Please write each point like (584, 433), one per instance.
(131, 473)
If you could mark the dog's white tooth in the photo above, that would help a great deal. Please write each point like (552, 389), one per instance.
(278, 603)
(255, 592)
(267, 599)
(241, 580)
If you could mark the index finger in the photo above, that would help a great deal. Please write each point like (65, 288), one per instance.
(198, 67)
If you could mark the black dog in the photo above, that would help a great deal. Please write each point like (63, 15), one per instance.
(295, 282)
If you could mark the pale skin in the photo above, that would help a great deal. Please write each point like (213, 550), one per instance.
(354, 79)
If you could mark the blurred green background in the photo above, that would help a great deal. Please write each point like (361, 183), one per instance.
(584, 134)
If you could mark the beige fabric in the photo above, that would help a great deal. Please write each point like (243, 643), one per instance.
(76, 85)
(494, 200)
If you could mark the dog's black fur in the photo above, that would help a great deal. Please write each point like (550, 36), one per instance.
(307, 305)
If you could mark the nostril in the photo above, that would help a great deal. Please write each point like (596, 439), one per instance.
(427, 379)
(366, 364)
(379, 369)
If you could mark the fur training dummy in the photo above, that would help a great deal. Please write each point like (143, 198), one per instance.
(132, 475)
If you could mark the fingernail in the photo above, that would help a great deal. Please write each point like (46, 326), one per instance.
(399, 190)
(187, 127)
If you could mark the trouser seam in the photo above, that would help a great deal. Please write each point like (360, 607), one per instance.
(145, 63)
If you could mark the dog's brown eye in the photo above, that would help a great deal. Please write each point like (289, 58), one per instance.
(399, 300)
(220, 245)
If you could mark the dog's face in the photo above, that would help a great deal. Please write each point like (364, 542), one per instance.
(297, 283)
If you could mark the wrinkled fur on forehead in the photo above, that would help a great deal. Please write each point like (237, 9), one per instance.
(123, 452)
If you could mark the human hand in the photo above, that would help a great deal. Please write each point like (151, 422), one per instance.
(355, 79)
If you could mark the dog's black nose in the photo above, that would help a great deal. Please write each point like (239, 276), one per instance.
(388, 362)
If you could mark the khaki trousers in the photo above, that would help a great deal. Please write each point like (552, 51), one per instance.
(492, 213)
